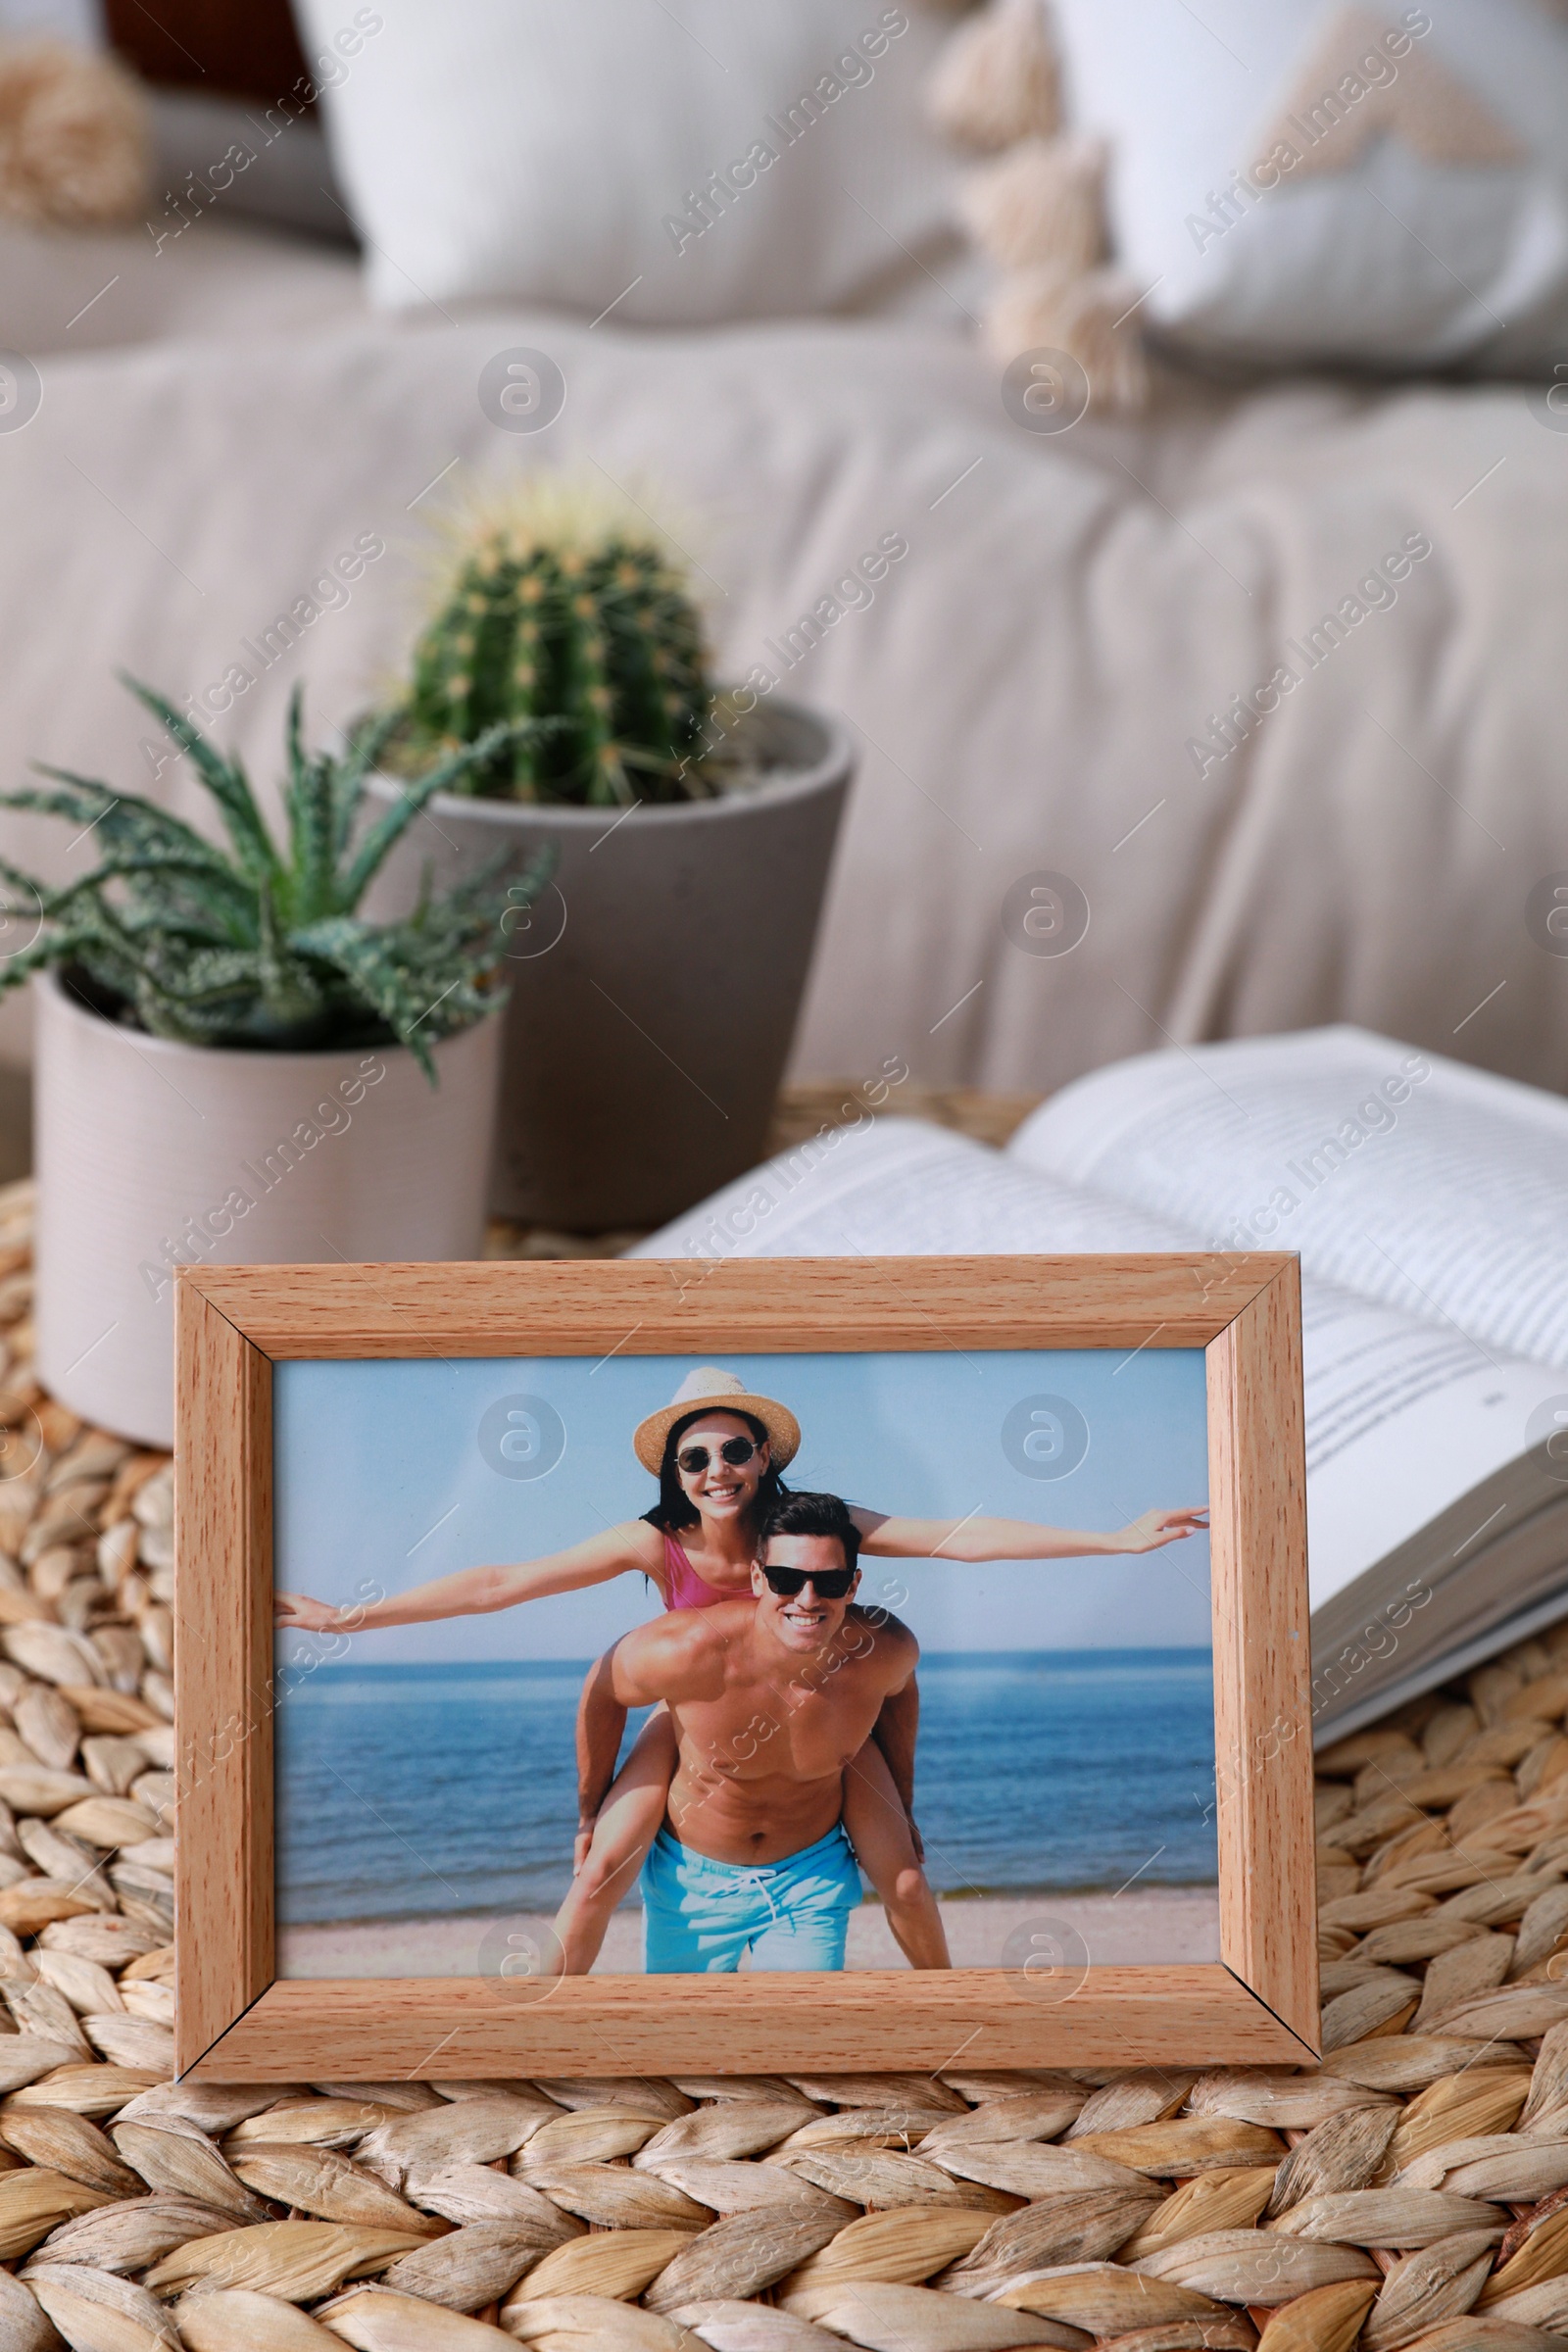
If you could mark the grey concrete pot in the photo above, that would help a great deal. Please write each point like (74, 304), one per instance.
(655, 984)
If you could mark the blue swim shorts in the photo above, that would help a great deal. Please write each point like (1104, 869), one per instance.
(699, 1916)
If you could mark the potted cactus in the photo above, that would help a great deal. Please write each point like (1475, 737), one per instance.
(234, 1066)
(656, 983)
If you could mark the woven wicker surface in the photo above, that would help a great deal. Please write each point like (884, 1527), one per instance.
(1411, 2192)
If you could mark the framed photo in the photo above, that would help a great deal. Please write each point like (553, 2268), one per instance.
(908, 1657)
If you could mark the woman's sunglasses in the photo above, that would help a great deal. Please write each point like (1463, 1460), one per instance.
(830, 1584)
(737, 1452)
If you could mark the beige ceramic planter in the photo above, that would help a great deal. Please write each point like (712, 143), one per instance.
(150, 1152)
(656, 986)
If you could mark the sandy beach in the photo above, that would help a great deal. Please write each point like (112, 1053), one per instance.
(1144, 1925)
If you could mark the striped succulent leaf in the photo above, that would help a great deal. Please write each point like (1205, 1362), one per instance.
(262, 945)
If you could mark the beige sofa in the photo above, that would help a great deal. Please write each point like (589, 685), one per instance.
(1040, 684)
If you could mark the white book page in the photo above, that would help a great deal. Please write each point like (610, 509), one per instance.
(891, 1188)
(1401, 1418)
(1407, 1178)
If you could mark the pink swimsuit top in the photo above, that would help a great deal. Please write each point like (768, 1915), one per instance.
(684, 1588)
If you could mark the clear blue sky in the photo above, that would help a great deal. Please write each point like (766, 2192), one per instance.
(380, 1477)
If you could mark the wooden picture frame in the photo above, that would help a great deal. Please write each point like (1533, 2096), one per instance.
(238, 2022)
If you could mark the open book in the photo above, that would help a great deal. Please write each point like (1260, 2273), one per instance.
(1429, 1204)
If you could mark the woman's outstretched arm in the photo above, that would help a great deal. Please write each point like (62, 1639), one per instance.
(473, 1592)
(978, 1538)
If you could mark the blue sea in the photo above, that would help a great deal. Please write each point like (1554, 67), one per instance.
(404, 1791)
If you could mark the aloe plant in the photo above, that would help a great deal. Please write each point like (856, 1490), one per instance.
(263, 945)
(562, 606)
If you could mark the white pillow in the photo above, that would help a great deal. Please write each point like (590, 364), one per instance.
(559, 151)
(1424, 220)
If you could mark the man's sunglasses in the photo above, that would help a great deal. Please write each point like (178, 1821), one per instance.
(830, 1584)
(737, 1452)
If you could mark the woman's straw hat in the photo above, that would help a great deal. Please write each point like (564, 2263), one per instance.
(721, 1392)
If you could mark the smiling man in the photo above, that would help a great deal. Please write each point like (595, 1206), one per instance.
(771, 1699)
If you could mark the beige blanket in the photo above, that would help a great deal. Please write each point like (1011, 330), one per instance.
(1033, 683)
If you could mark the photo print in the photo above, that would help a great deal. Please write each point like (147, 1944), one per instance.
(789, 1661)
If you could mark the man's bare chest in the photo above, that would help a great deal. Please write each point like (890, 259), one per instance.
(801, 1729)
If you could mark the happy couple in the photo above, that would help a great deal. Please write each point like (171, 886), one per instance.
(783, 1752)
